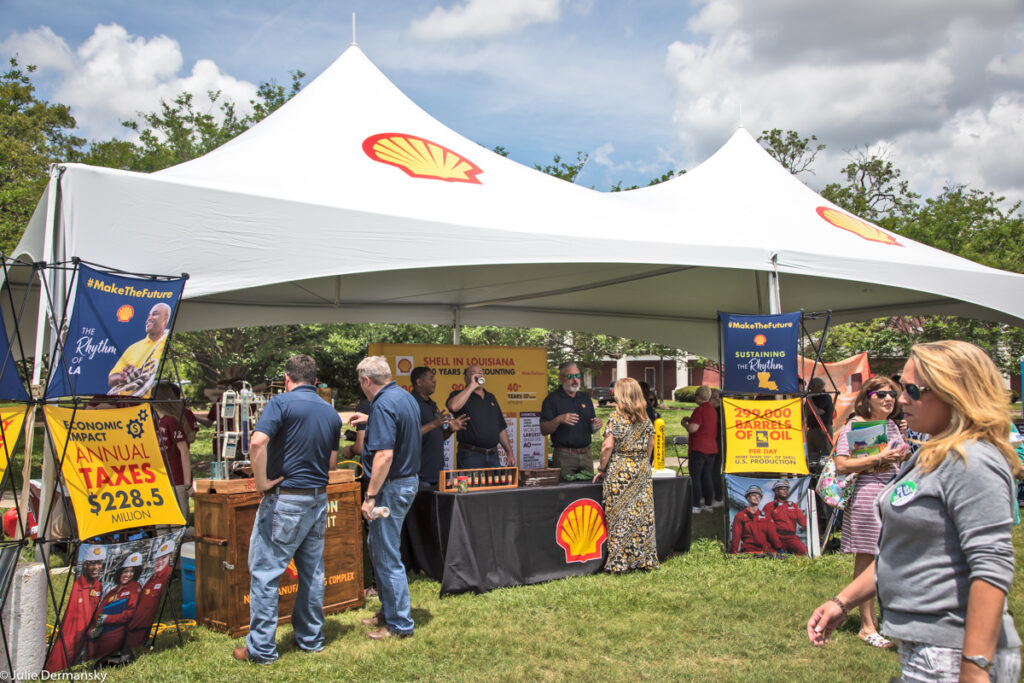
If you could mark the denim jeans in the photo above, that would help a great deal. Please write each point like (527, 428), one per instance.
(385, 541)
(286, 527)
(469, 459)
(701, 477)
(924, 662)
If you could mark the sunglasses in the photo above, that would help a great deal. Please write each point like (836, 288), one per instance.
(885, 394)
(914, 391)
(576, 376)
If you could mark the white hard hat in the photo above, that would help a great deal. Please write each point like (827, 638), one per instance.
(93, 553)
(134, 560)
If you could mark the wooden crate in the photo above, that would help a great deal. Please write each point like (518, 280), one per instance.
(223, 528)
(548, 476)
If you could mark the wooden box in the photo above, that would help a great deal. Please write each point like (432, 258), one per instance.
(223, 527)
(548, 476)
(249, 485)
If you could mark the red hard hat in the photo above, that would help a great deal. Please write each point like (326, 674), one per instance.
(11, 523)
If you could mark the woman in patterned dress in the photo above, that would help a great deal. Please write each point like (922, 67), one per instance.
(625, 468)
(876, 401)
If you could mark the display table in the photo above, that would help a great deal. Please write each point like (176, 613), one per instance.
(223, 529)
(492, 539)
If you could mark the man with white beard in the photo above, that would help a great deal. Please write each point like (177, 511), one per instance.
(567, 414)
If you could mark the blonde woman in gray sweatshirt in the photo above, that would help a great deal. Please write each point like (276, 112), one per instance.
(945, 557)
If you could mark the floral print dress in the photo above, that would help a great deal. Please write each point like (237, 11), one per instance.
(629, 497)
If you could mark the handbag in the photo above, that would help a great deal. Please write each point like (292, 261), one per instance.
(834, 488)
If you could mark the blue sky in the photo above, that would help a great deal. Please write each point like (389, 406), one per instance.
(642, 87)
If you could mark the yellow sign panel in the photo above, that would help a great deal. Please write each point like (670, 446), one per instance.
(11, 419)
(516, 375)
(764, 436)
(113, 468)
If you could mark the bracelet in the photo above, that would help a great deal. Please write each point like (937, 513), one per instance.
(842, 605)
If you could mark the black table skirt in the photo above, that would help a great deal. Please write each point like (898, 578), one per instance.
(491, 539)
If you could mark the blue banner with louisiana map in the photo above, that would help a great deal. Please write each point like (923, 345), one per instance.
(11, 386)
(116, 338)
(760, 353)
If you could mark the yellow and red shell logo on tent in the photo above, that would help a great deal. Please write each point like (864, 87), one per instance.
(125, 313)
(581, 531)
(421, 158)
(856, 226)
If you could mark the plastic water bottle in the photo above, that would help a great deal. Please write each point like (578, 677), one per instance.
(380, 512)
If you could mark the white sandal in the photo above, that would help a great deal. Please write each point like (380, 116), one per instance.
(878, 640)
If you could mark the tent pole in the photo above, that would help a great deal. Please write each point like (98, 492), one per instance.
(456, 325)
(774, 293)
(49, 252)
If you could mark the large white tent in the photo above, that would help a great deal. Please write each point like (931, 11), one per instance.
(350, 203)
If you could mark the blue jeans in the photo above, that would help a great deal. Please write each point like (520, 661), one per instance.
(470, 460)
(385, 541)
(287, 526)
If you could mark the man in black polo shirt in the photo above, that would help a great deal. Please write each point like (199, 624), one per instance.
(567, 414)
(485, 429)
(436, 426)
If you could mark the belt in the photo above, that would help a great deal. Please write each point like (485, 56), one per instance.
(574, 451)
(298, 492)
(477, 449)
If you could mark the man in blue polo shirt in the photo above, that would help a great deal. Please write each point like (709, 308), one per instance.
(567, 414)
(392, 462)
(293, 447)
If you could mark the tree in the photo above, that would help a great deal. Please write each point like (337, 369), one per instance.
(562, 169)
(875, 190)
(33, 135)
(795, 153)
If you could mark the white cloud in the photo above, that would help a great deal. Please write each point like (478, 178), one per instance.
(41, 47)
(113, 76)
(484, 18)
(939, 82)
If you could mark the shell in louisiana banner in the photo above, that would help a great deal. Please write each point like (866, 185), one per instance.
(581, 531)
(113, 468)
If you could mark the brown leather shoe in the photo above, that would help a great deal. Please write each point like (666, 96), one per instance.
(384, 633)
(376, 620)
(241, 653)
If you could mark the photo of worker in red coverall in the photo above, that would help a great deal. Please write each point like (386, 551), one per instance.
(110, 626)
(152, 591)
(788, 517)
(752, 530)
(68, 644)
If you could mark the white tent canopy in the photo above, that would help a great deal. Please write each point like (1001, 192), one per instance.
(298, 220)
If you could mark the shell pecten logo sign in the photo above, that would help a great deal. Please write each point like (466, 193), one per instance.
(856, 226)
(421, 158)
(581, 531)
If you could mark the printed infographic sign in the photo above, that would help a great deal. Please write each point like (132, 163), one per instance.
(760, 353)
(113, 468)
(764, 436)
(116, 337)
(517, 376)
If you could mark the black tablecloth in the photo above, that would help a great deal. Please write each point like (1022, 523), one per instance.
(490, 539)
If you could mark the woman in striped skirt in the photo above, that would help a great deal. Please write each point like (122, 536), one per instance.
(861, 526)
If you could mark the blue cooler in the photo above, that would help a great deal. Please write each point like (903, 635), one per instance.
(188, 580)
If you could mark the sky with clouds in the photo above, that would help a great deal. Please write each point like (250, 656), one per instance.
(642, 86)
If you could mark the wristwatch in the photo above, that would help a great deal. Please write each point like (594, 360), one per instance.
(980, 661)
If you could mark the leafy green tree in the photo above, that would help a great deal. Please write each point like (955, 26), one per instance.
(33, 135)
(795, 153)
(564, 169)
(875, 190)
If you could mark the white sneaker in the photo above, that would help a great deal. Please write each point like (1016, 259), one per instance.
(707, 508)
(696, 511)
(717, 504)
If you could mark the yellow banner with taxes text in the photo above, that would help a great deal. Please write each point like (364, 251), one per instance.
(764, 436)
(113, 468)
(11, 420)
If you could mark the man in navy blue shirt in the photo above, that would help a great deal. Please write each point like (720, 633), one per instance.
(392, 463)
(293, 447)
(567, 414)
(435, 426)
